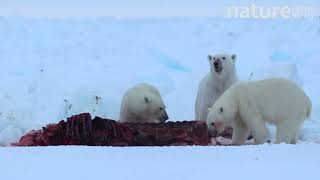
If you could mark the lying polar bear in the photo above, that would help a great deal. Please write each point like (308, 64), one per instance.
(221, 76)
(143, 103)
(248, 105)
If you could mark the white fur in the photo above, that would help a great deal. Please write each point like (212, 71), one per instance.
(248, 105)
(214, 84)
(142, 103)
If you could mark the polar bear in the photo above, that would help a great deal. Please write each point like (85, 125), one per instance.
(248, 105)
(143, 104)
(221, 76)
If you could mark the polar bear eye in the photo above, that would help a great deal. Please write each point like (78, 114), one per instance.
(161, 109)
(221, 109)
(224, 58)
(214, 58)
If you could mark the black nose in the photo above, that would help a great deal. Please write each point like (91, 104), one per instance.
(212, 132)
(216, 63)
(165, 117)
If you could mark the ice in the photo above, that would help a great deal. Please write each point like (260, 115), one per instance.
(167, 61)
(262, 162)
(278, 70)
(9, 134)
(279, 55)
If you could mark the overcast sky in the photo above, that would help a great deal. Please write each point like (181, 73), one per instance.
(131, 8)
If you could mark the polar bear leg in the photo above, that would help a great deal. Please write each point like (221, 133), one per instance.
(287, 133)
(256, 125)
(240, 132)
(259, 131)
(197, 113)
(294, 139)
(204, 114)
(200, 112)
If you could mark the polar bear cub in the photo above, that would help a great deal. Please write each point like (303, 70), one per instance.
(143, 104)
(248, 105)
(221, 76)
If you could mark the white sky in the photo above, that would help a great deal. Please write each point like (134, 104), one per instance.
(131, 8)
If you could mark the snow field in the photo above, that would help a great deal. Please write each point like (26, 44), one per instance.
(52, 69)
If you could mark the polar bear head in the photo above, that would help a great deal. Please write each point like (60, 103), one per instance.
(153, 109)
(223, 112)
(143, 104)
(222, 64)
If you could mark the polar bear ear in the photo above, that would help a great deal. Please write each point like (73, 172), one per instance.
(234, 57)
(210, 57)
(147, 100)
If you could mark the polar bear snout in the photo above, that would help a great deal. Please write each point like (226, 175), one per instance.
(164, 118)
(211, 130)
(217, 65)
(217, 125)
(215, 128)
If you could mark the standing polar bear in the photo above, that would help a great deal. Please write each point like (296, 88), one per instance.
(248, 105)
(143, 104)
(221, 76)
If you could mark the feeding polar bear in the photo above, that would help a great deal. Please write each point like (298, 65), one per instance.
(143, 104)
(248, 105)
(221, 76)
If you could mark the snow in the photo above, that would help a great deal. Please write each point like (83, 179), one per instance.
(54, 68)
(263, 162)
